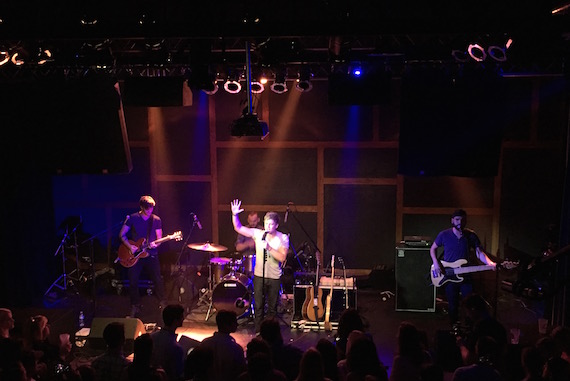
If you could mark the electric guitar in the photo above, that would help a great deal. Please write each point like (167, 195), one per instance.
(313, 309)
(128, 259)
(328, 326)
(453, 269)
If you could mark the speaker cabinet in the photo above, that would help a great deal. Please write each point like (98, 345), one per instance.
(133, 329)
(414, 291)
(338, 301)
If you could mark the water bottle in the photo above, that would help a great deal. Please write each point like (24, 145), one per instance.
(81, 320)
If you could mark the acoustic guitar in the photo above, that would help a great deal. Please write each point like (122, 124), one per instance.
(328, 325)
(313, 309)
(128, 259)
(452, 270)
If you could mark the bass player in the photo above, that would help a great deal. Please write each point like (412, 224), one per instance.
(143, 224)
(457, 242)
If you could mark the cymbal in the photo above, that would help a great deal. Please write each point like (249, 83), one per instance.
(212, 247)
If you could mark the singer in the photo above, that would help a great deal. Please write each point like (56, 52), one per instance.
(148, 226)
(271, 248)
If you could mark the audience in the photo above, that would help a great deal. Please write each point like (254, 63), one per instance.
(259, 363)
(31, 355)
(197, 364)
(487, 353)
(481, 324)
(141, 369)
(362, 361)
(167, 353)
(312, 367)
(350, 320)
(328, 351)
(286, 358)
(411, 356)
(111, 365)
(228, 357)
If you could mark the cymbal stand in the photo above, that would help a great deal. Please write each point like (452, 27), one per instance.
(208, 294)
(62, 281)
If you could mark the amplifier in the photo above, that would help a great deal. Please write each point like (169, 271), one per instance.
(338, 301)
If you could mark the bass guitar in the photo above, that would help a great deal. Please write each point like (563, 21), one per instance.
(328, 325)
(128, 259)
(452, 270)
(313, 309)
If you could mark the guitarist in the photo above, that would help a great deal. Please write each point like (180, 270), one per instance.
(271, 247)
(143, 224)
(457, 242)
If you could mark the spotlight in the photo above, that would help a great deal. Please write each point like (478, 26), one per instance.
(257, 86)
(356, 71)
(211, 90)
(4, 57)
(16, 60)
(279, 86)
(304, 81)
(477, 52)
(44, 56)
(232, 84)
(459, 55)
(497, 53)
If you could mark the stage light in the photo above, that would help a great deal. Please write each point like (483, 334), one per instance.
(232, 84)
(459, 55)
(497, 53)
(477, 52)
(304, 81)
(16, 60)
(279, 86)
(44, 56)
(356, 71)
(4, 57)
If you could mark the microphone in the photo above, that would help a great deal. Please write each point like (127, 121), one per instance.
(197, 221)
(264, 235)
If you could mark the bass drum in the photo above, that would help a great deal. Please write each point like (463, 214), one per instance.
(233, 293)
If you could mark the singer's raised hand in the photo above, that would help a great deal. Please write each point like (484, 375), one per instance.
(236, 207)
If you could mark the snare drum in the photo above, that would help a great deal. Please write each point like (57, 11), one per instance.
(220, 268)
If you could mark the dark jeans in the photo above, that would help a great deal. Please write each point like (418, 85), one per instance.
(269, 295)
(152, 266)
(454, 293)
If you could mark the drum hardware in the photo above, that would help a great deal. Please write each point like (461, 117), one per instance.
(207, 296)
(66, 280)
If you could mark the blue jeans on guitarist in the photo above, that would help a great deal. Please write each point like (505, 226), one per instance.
(454, 293)
(152, 266)
(270, 294)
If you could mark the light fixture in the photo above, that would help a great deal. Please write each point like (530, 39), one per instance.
(459, 55)
(4, 57)
(477, 52)
(258, 83)
(44, 55)
(497, 53)
(17, 60)
(279, 86)
(232, 86)
(304, 81)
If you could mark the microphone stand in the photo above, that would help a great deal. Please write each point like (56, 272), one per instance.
(179, 276)
(317, 250)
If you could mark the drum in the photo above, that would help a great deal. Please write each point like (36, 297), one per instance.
(248, 264)
(220, 268)
(233, 293)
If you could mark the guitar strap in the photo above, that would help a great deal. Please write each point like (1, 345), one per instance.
(149, 229)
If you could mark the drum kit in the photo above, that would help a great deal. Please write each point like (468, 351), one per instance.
(230, 285)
